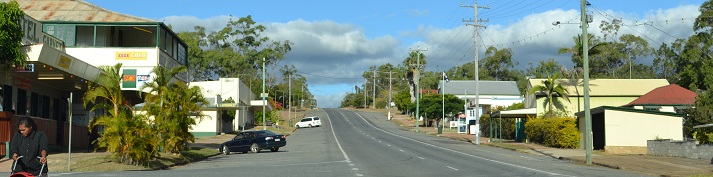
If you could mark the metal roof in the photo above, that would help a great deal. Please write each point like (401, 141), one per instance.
(607, 87)
(666, 95)
(458, 87)
(72, 10)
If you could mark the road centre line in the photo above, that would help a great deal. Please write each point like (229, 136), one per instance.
(458, 152)
(452, 168)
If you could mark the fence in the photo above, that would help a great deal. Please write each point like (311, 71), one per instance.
(687, 149)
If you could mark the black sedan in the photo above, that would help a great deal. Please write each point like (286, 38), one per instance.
(253, 141)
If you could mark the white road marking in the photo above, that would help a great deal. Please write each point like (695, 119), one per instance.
(335, 138)
(421, 158)
(359, 174)
(452, 168)
(458, 152)
(355, 169)
(401, 150)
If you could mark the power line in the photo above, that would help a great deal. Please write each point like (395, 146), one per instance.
(562, 5)
(628, 26)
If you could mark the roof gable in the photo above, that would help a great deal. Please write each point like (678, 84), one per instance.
(666, 95)
(607, 87)
(73, 10)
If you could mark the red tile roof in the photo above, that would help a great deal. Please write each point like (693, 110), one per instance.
(666, 95)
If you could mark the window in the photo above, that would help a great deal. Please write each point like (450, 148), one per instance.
(85, 36)
(306, 120)
(652, 108)
(316, 118)
(21, 102)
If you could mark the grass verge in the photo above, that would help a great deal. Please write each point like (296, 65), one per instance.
(97, 162)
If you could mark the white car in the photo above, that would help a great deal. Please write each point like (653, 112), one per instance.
(309, 122)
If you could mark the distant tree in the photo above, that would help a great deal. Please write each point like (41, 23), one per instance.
(498, 63)
(544, 68)
(11, 35)
(552, 92)
(701, 113)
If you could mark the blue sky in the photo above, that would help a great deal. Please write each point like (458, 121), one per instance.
(335, 41)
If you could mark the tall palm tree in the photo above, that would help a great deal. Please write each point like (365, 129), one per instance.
(552, 92)
(125, 136)
(576, 50)
(414, 71)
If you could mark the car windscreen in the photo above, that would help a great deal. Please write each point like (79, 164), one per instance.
(316, 118)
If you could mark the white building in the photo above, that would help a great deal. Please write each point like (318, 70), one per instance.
(491, 94)
(216, 92)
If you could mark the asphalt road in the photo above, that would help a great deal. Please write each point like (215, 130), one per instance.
(365, 144)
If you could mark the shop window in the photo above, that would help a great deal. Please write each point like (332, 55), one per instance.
(34, 102)
(45, 106)
(7, 98)
(55, 109)
(21, 102)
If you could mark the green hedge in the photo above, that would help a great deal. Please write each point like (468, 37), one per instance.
(560, 132)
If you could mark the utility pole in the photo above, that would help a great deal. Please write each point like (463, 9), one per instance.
(388, 105)
(289, 105)
(302, 96)
(365, 81)
(373, 92)
(587, 113)
(263, 95)
(417, 77)
(443, 100)
(476, 26)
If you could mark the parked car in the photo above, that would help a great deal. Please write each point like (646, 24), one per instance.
(309, 122)
(253, 141)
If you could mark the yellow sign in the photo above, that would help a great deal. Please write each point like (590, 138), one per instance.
(64, 62)
(131, 55)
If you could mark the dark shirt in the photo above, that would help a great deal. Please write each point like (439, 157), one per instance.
(30, 148)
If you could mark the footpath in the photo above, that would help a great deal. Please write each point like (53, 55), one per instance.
(638, 163)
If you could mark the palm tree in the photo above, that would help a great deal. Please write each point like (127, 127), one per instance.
(552, 91)
(125, 136)
(156, 107)
(576, 50)
(414, 71)
(184, 103)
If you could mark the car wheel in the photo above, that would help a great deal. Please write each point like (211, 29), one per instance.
(274, 149)
(226, 151)
(310, 125)
(297, 126)
(255, 148)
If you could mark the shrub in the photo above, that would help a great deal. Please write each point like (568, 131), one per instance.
(560, 132)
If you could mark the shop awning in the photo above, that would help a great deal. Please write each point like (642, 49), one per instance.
(55, 68)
